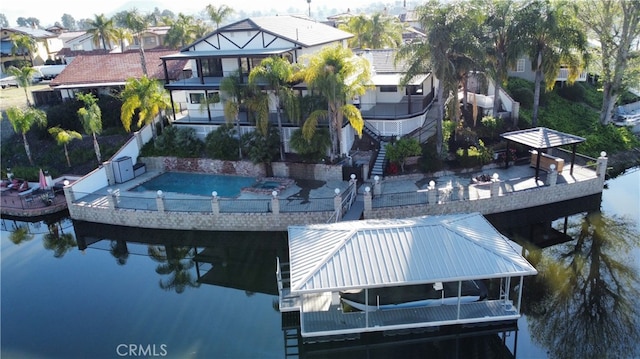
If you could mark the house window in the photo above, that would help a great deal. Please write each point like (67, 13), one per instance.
(212, 68)
(196, 97)
(149, 40)
(388, 88)
(520, 65)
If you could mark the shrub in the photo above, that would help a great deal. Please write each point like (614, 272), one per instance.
(573, 92)
(313, 150)
(524, 96)
(223, 143)
(474, 156)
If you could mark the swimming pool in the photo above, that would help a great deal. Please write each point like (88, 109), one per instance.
(197, 183)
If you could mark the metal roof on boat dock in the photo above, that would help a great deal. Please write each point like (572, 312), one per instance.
(394, 252)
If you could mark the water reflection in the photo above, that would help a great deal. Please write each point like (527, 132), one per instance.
(175, 262)
(584, 303)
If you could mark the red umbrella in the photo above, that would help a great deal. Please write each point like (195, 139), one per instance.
(43, 180)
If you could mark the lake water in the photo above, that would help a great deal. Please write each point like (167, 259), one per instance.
(186, 294)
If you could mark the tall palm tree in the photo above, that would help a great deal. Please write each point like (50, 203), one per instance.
(182, 31)
(233, 95)
(434, 54)
(218, 14)
(336, 74)
(24, 77)
(102, 29)
(22, 121)
(358, 26)
(91, 117)
(277, 73)
(138, 23)
(552, 38)
(123, 36)
(63, 137)
(499, 38)
(23, 44)
(385, 31)
(148, 97)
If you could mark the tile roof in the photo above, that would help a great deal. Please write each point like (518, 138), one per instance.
(116, 68)
(377, 253)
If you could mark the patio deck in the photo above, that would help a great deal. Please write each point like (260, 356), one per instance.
(336, 322)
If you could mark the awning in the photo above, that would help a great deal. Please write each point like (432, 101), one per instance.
(394, 79)
(541, 138)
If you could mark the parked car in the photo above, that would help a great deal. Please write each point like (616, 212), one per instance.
(8, 81)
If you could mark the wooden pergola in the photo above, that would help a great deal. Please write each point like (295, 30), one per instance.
(542, 138)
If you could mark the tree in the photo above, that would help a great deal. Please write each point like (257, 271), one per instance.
(336, 74)
(68, 22)
(63, 137)
(91, 117)
(218, 14)
(138, 23)
(277, 73)
(552, 38)
(3, 21)
(313, 149)
(28, 22)
(147, 97)
(232, 90)
(616, 25)
(401, 149)
(23, 44)
(376, 32)
(24, 77)
(435, 53)
(102, 30)
(22, 121)
(175, 263)
(122, 35)
(499, 38)
(182, 31)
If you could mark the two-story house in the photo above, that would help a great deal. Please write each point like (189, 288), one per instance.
(242, 45)
(47, 46)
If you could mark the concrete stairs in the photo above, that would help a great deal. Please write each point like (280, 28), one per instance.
(381, 158)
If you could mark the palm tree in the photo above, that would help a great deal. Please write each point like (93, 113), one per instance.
(22, 121)
(277, 72)
(232, 90)
(91, 117)
(138, 23)
(434, 54)
(20, 235)
(499, 38)
(336, 74)
(148, 97)
(23, 44)
(102, 30)
(358, 26)
(182, 31)
(63, 137)
(24, 77)
(121, 35)
(551, 37)
(218, 14)
(385, 31)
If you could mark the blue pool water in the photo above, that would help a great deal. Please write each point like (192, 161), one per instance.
(197, 183)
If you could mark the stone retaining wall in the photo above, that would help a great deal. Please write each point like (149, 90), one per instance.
(204, 165)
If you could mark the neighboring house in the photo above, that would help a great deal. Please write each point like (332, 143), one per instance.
(244, 44)
(47, 43)
(108, 73)
(524, 70)
(391, 109)
(152, 37)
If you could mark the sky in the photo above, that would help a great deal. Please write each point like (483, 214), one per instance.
(48, 11)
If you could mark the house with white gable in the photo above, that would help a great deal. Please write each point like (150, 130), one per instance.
(244, 44)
